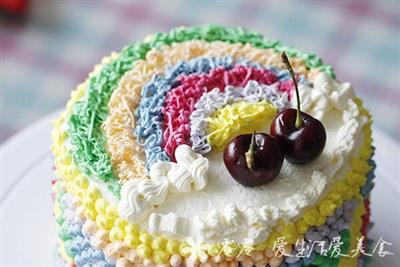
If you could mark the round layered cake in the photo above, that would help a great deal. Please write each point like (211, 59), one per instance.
(150, 163)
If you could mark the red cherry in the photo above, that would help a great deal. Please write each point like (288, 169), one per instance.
(301, 136)
(253, 159)
(299, 144)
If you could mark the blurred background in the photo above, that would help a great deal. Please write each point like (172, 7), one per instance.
(48, 47)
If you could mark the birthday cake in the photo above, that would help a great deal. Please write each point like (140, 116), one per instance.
(212, 146)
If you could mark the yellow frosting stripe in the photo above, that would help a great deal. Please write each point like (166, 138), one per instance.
(355, 234)
(127, 157)
(237, 118)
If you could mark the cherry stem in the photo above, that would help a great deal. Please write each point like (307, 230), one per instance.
(250, 153)
(299, 121)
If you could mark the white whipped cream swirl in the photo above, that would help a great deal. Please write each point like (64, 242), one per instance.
(140, 196)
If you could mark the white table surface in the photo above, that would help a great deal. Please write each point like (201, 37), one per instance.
(27, 228)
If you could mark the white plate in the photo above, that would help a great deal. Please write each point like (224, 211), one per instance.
(27, 228)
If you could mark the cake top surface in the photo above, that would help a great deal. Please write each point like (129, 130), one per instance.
(150, 125)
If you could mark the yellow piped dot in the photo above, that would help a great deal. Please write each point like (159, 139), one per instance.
(81, 182)
(341, 188)
(184, 250)
(368, 135)
(231, 249)
(120, 223)
(116, 234)
(360, 166)
(326, 207)
(103, 222)
(90, 214)
(158, 243)
(290, 233)
(111, 212)
(280, 225)
(93, 193)
(144, 251)
(132, 241)
(360, 179)
(311, 216)
(350, 181)
(160, 256)
(88, 203)
(132, 229)
(349, 194)
(70, 187)
(365, 152)
(100, 205)
(74, 172)
(145, 238)
(272, 239)
(301, 226)
(80, 193)
(172, 246)
(214, 249)
(336, 198)
(67, 160)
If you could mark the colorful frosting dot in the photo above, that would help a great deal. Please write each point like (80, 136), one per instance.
(145, 238)
(158, 243)
(132, 229)
(160, 256)
(116, 234)
(144, 251)
(131, 240)
(231, 249)
(172, 246)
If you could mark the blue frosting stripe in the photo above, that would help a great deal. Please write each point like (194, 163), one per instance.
(367, 187)
(149, 130)
(76, 244)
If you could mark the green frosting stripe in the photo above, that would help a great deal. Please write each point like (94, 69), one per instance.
(329, 259)
(85, 122)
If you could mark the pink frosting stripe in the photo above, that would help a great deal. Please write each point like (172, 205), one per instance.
(287, 86)
(180, 101)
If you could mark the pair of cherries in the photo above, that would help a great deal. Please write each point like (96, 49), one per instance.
(256, 159)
